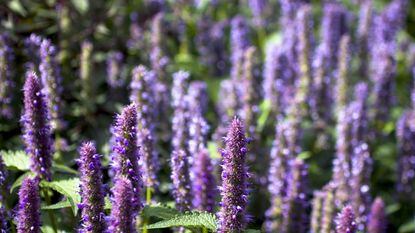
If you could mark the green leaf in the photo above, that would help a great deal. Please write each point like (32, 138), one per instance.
(213, 150)
(60, 205)
(189, 220)
(65, 169)
(159, 211)
(81, 5)
(18, 160)
(265, 111)
(17, 7)
(67, 186)
(407, 227)
(252, 231)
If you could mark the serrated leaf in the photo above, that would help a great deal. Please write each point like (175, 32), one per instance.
(67, 186)
(188, 220)
(60, 205)
(65, 169)
(18, 160)
(159, 211)
(81, 5)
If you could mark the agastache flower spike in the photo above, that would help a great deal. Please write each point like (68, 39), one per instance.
(346, 221)
(143, 94)
(32, 45)
(6, 82)
(91, 188)
(239, 43)
(179, 105)
(277, 185)
(377, 217)
(234, 190)
(122, 218)
(85, 70)
(181, 180)
(28, 215)
(295, 217)
(4, 190)
(125, 152)
(36, 127)
(52, 81)
(204, 183)
(114, 69)
(343, 73)
(363, 30)
(317, 205)
(329, 209)
(259, 10)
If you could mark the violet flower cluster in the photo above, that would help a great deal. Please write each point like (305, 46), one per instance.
(115, 77)
(28, 215)
(7, 83)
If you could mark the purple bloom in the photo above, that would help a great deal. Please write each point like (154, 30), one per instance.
(295, 205)
(198, 97)
(317, 206)
(143, 94)
(363, 31)
(4, 190)
(125, 152)
(343, 73)
(92, 192)
(377, 217)
(346, 221)
(36, 127)
(28, 215)
(181, 180)
(239, 43)
(328, 209)
(114, 69)
(32, 45)
(6, 82)
(234, 190)
(179, 104)
(204, 184)
(259, 9)
(52, 81)
(122, 215)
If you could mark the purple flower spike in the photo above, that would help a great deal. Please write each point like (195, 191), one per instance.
(239, 43)
(126, 152)
(179, 105)
(181, 180)
(4, 189)
(234, 190)
(92, 192)
(295, 206)
(114, 69)
(28, 215)
(35, 120)
(346, 221)
(6, 82)
(204, 184)
(52, 81)
(122, 218)
(377, 217)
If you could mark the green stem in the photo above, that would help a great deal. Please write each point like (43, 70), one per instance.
(204, 230)
(49, 202)
(148, 200)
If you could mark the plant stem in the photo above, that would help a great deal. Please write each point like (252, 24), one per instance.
(205, 230)
(48, 202)
(148, 200)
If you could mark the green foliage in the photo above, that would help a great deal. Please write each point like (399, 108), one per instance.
(159, 211)
(17, 160)
(189, 220)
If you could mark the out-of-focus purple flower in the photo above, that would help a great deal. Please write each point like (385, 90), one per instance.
(85, 70)
(359, 112)
(234, 189)
(32, 45)
(114, 69)
(239, 43)
(91, 188)
(343, 73)
(52, 81)
(36, 127)
(277, 185)
(360, 184)
(181, 180)
(363, 31)
(317, 206)
(125, 152)
(251, 94)
(122, 215)
(346, 221)
(295, 218)
(259, 9)
(143, 95)
(328, 209)
(377, 217)
(28, 215)
(6, 80)
(204, 183)
(135, 40)
(180, 116)
(405, 132)
(4, 190)
(198, 97)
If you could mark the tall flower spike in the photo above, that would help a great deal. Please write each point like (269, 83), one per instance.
(122, 215)
(4, 189)
(85, 70)
(204, 183)
(234, 190)
(91, 188)
(143, 94)
(125, 152)
(6, 82)
(179, 105)
(181, 180)
(317, 206)
(277, 185)
(363, 31)
(36, 127)
(114, 69)
(329, 209)
(377, 217)
(52, 81)
(346, 221)
(28, 215)
(343, 72)
(32, 45)
(259, 10)
(239, 43)
(295, 217)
